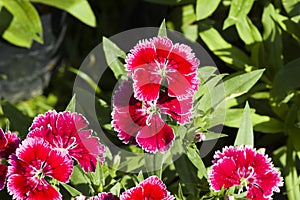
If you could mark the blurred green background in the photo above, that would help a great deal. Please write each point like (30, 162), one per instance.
(44, 41)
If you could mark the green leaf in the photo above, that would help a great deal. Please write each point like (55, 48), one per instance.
(171, 2)
(25, 26)
(283, 85)
(87, 78)
(245, 132)
(213, 136)
(71, 190)
(245, 82)
(206, 72)
(260, 123)
(187, 174)
(239, 9)
(195, 158)
(206, 8)
(78, 8)
(162, 29)
(112, 54)
(18, 121)
(71, 107)
(292, 7)
(221, 48)
(272, 55)
(188, 27)
(248, 31)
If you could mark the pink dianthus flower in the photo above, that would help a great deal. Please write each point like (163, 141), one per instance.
(151, 188)
(65, 131)
(141, 122)
(158, 62)
(247, 169)
(35, 160)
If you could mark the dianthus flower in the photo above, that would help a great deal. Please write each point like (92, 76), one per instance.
(141, 122)
(245, 168)
(151, 188)
(65, 131)
(8, 145)
(158, 62)
(100, 196)
(34, 161)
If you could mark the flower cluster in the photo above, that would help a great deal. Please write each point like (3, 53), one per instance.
(163, 80)
(47, 152)
(151, 188)
(247, 169)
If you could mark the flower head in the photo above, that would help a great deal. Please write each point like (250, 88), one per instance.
(151, 188)
(158, 62)
(65, 131)
(8, 145)
(245, 168)
(141, 122)
(100, 196)
(35, 160)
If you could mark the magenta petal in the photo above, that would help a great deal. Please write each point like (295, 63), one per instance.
(146, 84)
(180, 110)
(151, 188)
(143, 53)
(87, 150)
(158, 136)
(3, 175)
(3, 140)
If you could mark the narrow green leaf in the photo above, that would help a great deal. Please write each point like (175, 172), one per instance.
(71, 107)
(195, 158)
(87, 78)
(71, 190)
(213, 136)
(245, 132)
(162, 29)
(206, 8)
(248, 31)
(112, 54)
(272, 55)
(221, 48)
(245, 82)
(239, 9)
(260, 123)
(78, 8)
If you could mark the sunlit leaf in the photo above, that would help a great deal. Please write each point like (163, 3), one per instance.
(112, 54)
(195, 158)
(224, 50)
(238, 11)
(78, 8)
(245, 132)
(162, 29)
(205, 8)
(248, 31)
(25, 26)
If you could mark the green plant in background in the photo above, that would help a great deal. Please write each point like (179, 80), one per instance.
(22, 23)
(256, 46)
